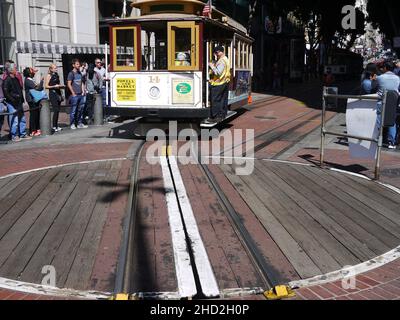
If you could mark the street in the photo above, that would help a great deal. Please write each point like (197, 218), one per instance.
(90, 204)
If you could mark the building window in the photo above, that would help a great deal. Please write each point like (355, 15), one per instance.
(7, 30)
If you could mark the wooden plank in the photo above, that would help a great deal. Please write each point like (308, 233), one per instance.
(334, 208)
(322, 232)
(383, 228)
(295, 254)
(82, 266)
(116, 165)
(4, 184)
(281, 268)
(24, 184)
(14, 213)
(144, 277)
(386, 207)
(368, 187)
(82, 172)
(302, 199)
(13, 184)
(81, 270)
(303, 235)
(208, 211)
(10, 241)
(66, 174)
(54, 236)
(164, 255)
(19, 258)
(109, 248)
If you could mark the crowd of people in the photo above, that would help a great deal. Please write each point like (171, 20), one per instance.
(378, 79)
(16, 89)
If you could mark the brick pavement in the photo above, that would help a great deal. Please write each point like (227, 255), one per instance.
(14, 161)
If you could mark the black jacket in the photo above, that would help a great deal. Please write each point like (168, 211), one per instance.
(13, 92)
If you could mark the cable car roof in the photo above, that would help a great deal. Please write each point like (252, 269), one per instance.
(182, 10)
(140, 3)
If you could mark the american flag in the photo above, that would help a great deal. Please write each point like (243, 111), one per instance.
(207, 9)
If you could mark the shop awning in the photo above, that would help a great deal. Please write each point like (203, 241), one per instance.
(57, 48)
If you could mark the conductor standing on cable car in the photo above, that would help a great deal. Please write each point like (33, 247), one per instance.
(220, 76)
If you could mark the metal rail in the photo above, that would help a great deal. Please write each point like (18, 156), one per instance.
(123, 275)
(265, 270)
(325, 132)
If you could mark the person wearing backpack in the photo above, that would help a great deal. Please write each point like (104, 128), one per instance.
(76, 86)
(93, 86)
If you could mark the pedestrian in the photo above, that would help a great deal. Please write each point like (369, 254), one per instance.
(102, 75)
(12, 90)
(276, 78)
(53, 85)
(329, 78)
(84, 68)
(369, 83)
(388, 81)
(34, 107)
(3, 105)
(396, 70)
(220, 73)
(18, 75)
(93, 86)
(76, 86)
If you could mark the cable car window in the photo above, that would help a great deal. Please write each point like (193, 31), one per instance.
(183, 46)
(246, 56)
(154, 46)
(125, 49)
(237, 54)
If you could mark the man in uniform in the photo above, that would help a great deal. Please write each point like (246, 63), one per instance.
(220, 76)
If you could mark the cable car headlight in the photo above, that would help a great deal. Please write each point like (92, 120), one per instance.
(154, 92)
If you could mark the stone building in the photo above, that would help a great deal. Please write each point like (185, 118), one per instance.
(39, 32)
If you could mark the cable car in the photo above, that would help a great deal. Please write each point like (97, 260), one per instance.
(159, 65)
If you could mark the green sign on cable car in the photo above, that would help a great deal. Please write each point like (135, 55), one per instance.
(183, 88)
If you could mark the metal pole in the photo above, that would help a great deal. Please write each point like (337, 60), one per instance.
(322, 149)
(380, 139)
(98, 110)
(45, 118)
(107, 84)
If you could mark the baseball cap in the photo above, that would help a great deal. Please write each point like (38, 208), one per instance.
(218, 48)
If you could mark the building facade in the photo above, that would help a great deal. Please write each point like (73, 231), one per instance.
(38, 32)
(7, 30)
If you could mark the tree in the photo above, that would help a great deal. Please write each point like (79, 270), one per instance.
(321, 19)
(384, 14)
(345, 39)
